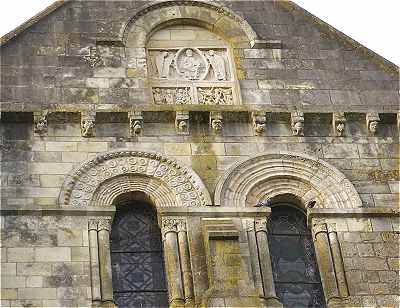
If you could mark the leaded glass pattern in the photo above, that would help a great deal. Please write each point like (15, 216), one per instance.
(295, 271)
(137, 258)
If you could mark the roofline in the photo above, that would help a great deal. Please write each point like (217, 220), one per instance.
(385, 64)
(31, 21)
(382, 62)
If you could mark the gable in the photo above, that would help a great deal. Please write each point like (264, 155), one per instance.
(312, 64)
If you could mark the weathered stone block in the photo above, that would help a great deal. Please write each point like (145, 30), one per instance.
(61, 146)
(10, 282)
(92, 146)
(177, 149)
(20, 254)
(69, 237)
(53, 254)
(37, 293)
(34, 282)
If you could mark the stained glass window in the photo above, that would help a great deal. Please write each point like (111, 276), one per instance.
(137, 258)
(296, 275)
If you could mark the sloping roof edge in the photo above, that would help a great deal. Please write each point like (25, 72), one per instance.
(31, 21)
(286, 4)
(382, 62)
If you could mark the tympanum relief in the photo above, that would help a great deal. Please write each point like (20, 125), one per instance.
(188, 75)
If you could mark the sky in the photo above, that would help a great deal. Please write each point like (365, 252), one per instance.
(373, 23)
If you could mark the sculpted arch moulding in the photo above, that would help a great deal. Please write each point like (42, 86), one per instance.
(253, 181)
(99, 181)
(216, 18)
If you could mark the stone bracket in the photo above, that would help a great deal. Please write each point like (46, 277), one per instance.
(372, 120)
(182, 122)
(338, 123)
(40, 120)
(216, 122)
(88, 123)
(135, 123)
(259, 122)
(297, 123)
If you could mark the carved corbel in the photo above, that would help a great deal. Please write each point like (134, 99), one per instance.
(93, 59)
(182, 122)
(297, 119)
(259, 122)
(88, 122)
(40, 120)
(135, 123)
(216, 122)
(372, 122)
(339, 122)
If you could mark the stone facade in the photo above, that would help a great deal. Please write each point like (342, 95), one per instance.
(215, 111)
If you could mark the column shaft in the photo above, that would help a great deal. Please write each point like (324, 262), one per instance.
(325, 263)
(94, 261)
(105, 260)
(265, 264)
(338, 264)
(185, 265)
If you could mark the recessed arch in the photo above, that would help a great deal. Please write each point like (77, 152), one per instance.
(216, 18)
(265, 176)
(99, 181)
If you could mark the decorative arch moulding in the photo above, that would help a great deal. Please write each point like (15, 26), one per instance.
(255, 181)
(99, 181)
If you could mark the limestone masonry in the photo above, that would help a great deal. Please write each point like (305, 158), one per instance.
(196, 154)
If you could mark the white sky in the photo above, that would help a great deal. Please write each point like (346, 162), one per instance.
(373, 23)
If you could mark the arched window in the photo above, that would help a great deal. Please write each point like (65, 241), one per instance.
(137, 257)
(296, 275)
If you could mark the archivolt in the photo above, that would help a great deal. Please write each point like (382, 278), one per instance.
(100, 180)
(217, 18)
(268, 175)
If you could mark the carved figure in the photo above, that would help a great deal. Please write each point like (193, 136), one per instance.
(41, 125)
(215, 96)
(218, 64)
(373, 126)
(88, 128)
(340, 128)
(136, 127)
(183, 96)
(182, 126)
(163, 62)
(372, 122)
(298, 129)
(158, 97)
(190, 66)
(217, 126)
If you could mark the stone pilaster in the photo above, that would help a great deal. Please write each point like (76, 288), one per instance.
(94, 261)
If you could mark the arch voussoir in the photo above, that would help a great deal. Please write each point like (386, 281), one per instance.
(268, 175)
(100, 180)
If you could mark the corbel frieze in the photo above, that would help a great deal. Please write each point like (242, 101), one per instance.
(339, 123)
(216, 122)
(372, 120)
(297, 123)
(135, 123)
(40, 122)
(88, 123)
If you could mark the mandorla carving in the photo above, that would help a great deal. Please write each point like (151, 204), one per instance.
(190, 64)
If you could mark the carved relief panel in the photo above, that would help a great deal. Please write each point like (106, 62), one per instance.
(194, 72)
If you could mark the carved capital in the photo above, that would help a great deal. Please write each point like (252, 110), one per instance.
(170, 225)
(40, 120)
(181, 225)
(216, 122)
(297, 123)
(249, 225)
(182, 122)
(259, 122)
(93, 59)
(372, 122)
(319, 228)
(88, 122)
(104, 224)
(339, 122)
(135, 123)
(261, 225)
(93, 224)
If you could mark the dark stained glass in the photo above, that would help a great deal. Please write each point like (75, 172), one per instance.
(294, 266)
(137, 258)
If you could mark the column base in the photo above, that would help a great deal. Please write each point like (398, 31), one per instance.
(177, 303)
